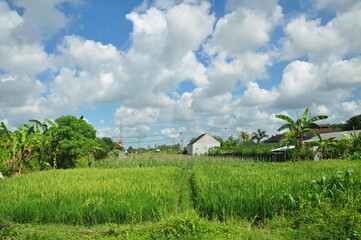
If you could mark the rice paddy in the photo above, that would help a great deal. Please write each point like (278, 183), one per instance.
(90, 196)
(259, 190)
(216, 189)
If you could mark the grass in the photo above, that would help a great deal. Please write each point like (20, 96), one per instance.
(90, 196)
(258, 191)
(184, 162)
(185, 198)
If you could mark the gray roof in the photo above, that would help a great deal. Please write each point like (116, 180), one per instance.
(336, 135)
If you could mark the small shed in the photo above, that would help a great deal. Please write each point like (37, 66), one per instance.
(202, 144)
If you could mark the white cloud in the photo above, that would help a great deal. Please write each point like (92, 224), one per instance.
(304, 83)
(18, 91)
(349, 29)
(170, 132)
(345, 74)
(337, 5)
(255, 96)
(9, 20)
(177, 41)
(210, 105)
(132, 117)
(335, 39)
(42, 18)
(78, 52)
(241, 31)
(264, 5)
(311, 39)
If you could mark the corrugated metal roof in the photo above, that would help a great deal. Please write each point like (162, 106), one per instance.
(336, 135)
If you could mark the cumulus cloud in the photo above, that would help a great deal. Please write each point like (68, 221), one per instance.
(42, 18)
(335, 39)
(170, 132)
(336, 5)
(256, 96)
(173, 42)
(263, 5)
(241, 31)
(309, 38)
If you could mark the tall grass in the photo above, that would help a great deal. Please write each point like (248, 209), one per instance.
(90, 196)
(257, 191)
(184, 162)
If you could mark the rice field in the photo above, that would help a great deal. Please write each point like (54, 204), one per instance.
(182, 161)
(257, 191)
(222, 189)
(90, 196)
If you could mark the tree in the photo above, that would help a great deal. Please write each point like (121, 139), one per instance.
(232, 141)
(259, 135)
(337, 127)
(20, 146)
(130, 149)
(74, 138)
(219, 139)
(244, 136)
(299, 127)
(353, 123)
(102, 149)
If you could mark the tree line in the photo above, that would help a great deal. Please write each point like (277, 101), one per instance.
(65, 143)
(295, 129)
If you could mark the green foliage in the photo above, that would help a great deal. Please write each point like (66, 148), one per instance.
(337, 127)
(353, 123)
(232, 141)
(244, 136)
(297, 128)
(90, 196)
(184, 162)
(74, 139)
(330, 208)
(19, 148)
(186, 226)
(9, 232)
(255, 200)
(245, 150)
(258, 191)
(259, 135)
(219, 139)
(105, 146)
(299, 153)
(328, 222)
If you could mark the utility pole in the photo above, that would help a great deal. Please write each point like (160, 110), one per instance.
(181, 139)
(120, 137)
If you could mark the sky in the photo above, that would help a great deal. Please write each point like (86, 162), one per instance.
(154, 72)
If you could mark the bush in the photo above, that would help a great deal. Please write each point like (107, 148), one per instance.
(328, 222)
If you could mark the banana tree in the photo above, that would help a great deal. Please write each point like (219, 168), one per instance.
(297, 128)
(20, 145)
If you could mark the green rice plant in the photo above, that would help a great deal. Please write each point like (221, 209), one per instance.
(184, 162)
(257, 191)
(90, 196)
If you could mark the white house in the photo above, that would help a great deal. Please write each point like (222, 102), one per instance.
(202, 144)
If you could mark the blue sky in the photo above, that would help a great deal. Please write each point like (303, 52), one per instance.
(159, 71)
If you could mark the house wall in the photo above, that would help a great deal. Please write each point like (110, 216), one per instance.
(203, 145)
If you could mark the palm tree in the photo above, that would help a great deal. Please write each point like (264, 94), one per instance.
(259, 135)
(299, 127)
(244, 136)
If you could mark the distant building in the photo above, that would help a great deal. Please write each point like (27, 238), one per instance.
(202, 144)
(334, 135)
(275, 139)
(324, 128)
